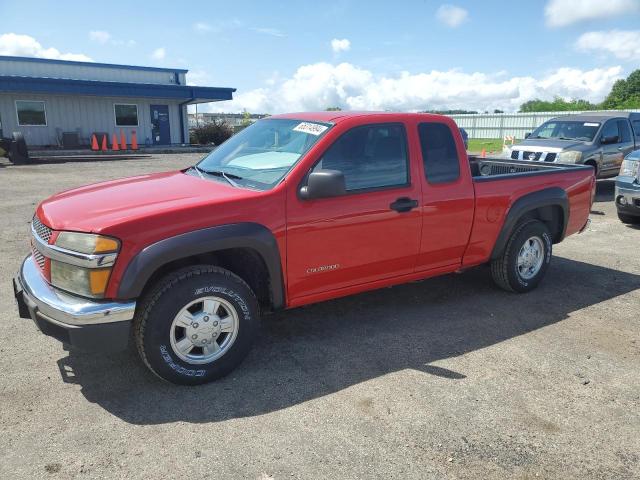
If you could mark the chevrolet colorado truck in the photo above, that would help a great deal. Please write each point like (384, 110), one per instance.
(599, 139)
(294, 209)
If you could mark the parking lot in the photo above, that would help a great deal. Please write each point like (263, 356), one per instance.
(446, 378)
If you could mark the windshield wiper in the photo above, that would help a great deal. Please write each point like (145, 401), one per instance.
(219, 173)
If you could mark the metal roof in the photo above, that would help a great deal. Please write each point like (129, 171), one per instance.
(190, 94)
(90, 64)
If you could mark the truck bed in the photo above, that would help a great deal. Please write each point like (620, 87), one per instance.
(483, 169)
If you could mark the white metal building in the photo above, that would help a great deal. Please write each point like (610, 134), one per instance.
(56, 101)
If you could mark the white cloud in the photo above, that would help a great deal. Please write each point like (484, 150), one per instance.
(159, 53)
(451, 15)
(202, 27)
(340, 45)
(320, 85)
(26, 46)
(274, 32)
(560, 13)
(623, 44)
(100, 36)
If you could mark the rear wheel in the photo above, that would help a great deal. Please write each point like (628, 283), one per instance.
(629, 219)
(525, 259)
(196, 325)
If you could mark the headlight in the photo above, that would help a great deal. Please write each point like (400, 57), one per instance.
(629, 168)
(84, 274)
(569, 157)
(87, 243)
(88, 282)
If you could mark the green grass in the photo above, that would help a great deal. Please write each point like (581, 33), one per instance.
(477, 144)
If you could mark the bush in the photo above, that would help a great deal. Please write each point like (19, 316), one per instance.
(214, 132)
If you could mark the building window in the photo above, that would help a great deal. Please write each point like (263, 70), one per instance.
(126, 114)
(31, 113)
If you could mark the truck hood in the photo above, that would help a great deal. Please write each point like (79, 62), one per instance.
(549, 145)
(96, 208)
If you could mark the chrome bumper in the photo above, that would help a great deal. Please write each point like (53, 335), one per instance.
(65, 308)
(627, 198)
(99, 325)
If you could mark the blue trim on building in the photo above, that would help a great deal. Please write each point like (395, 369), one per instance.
(90, 64)
(63, 86)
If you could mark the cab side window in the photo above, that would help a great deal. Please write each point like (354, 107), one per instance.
(625, 132)
(610, 129)
(439, 154)
(371, 156)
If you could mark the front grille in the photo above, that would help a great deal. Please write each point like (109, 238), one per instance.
(38, 257)
(44, 233)
(41, 230)
(525, 156)
(551, 157)
(514, 154)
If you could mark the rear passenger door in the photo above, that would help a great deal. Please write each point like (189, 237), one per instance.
(447, 204)
(368, 234)
(626, 138)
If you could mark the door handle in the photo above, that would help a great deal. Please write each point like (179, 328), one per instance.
(404, 204)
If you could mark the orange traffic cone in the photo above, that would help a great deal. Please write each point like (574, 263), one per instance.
(104, 142)
(94, 143)
(134, 140)
(114, 143)
(483, 153)
(123, 140)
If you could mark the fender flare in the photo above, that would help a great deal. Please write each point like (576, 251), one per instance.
(548, 197)
(238, 235)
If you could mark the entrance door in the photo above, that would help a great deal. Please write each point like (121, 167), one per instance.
(160, 131)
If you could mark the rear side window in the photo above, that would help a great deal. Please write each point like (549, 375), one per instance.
(439, 154)
(636, 127)
(371, 156)
(625, 132)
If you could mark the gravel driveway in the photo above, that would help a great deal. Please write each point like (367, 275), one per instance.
(446, 378)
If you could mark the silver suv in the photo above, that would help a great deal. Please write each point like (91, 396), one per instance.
(599, 139)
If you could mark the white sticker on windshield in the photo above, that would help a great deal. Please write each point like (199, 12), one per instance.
(589, 124)
(311, 128)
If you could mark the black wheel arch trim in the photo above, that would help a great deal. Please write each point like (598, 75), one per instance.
(548, 197)
(237, 235)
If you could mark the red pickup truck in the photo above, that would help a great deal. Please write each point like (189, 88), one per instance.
(294, 209)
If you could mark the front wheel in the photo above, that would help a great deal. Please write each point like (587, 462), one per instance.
(525, 259)
(196, 325)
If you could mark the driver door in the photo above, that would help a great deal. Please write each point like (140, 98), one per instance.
(362, 236)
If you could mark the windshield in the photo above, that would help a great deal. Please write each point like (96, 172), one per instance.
(567, 130)
(262, 154)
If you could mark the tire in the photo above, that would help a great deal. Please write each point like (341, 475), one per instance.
(505, 269)
(629, 219)
(161, 331)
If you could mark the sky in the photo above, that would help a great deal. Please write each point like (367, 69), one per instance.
(365, 55)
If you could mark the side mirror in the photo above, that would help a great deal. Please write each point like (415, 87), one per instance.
(609, 139)
(527, 135)
(323, 184)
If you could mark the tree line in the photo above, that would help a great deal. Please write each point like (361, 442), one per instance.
(624, 94)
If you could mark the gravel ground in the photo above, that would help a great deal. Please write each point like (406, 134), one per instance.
(446, 378)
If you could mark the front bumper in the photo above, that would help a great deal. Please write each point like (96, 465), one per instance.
(77, 321)
(627, 197)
